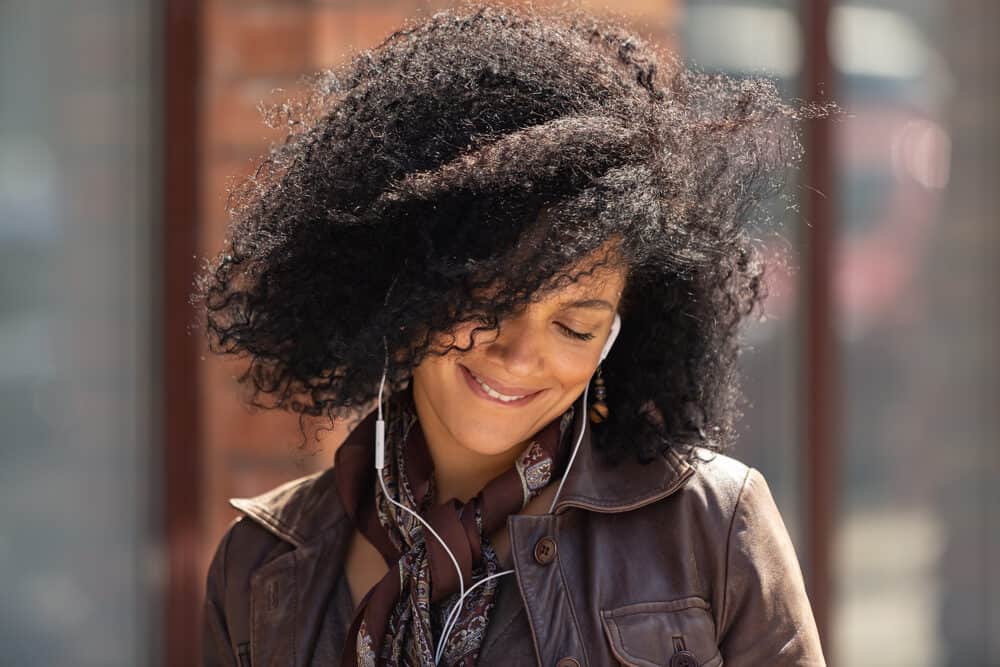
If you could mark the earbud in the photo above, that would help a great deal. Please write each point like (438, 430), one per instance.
(615, 328)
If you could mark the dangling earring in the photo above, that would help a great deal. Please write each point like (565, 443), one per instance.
(599, 409)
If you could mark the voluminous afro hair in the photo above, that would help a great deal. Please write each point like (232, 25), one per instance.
(489, 146)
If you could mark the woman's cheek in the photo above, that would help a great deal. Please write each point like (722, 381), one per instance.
(574, 368)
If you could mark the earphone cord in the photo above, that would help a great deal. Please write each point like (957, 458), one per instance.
(380, 463)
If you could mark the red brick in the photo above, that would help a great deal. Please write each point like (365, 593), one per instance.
(233, 120)
(256, 40)
(339, 34)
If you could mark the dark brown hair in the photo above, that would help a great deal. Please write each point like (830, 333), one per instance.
(423, 162)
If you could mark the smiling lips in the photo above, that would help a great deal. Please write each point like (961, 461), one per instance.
(495, 392)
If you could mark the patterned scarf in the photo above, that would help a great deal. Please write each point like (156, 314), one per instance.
(400, 620)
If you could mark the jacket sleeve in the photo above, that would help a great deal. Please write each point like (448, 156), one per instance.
(216, 646)
(766, 617)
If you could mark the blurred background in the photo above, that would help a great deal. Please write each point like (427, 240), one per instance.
(873, 379)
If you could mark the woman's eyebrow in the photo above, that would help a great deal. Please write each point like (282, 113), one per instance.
(588, 303)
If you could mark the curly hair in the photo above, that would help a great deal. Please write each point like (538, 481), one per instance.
(496, 146)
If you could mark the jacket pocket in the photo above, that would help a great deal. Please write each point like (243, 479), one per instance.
(672, 633)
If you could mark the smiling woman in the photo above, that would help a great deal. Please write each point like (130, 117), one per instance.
(455, 230)
(474, 404)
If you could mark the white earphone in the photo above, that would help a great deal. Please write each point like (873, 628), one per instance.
(380, 463)
(615, 328)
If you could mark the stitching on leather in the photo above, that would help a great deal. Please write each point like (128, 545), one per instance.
(524, 599)
(671, 459)
(613, 632)
(609, 619)
(569, 602)
(631, 503)
(651, 607)
(729, 541)
(630, 652)
(280, 526)
(258, 512)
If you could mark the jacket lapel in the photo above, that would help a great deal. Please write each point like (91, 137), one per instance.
(593, 484)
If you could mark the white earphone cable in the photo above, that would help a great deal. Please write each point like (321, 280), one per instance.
(380, 456)
(454, 614)
(579, 439)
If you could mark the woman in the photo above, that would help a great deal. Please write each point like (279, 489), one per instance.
(468, 227)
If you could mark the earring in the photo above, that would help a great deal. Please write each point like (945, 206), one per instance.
(599, 409)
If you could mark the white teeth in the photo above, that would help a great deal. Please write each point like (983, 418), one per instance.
(493, 392)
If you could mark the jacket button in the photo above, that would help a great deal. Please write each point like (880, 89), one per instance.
(545, 553)
(683, 659)
(568, 662)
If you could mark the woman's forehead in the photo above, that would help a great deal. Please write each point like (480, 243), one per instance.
(590, 283)
(604, 281)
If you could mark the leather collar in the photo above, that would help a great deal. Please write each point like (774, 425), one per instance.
(595, 485)
(306, 508)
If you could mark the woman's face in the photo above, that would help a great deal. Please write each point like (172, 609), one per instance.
(542, 359)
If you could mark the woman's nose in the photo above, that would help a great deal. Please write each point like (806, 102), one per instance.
(518, 347)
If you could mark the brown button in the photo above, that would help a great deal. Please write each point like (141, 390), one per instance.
(567, 662)
(545, 553)
(683, 659)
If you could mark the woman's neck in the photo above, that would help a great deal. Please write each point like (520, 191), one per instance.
(459, 472)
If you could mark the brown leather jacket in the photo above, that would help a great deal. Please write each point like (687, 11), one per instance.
(677, 563)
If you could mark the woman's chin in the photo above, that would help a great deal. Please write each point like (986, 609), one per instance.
(488, 441)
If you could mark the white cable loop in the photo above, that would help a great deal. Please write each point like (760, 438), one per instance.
(454, 614)
(380, 449)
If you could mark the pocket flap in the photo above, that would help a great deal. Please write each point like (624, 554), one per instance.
(648, 634)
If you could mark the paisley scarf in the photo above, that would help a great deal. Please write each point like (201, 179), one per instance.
(400, 620)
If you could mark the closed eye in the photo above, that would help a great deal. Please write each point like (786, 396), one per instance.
(575, 334)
